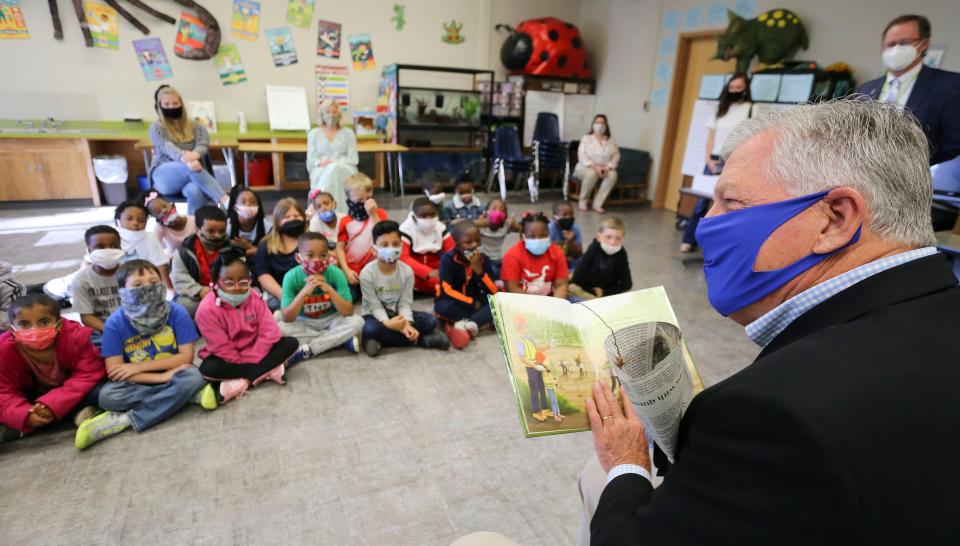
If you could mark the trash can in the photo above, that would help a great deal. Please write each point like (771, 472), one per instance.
(259, 171)
(111, 171)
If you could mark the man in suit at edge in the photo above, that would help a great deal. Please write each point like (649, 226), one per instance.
(931, 94)
(844, 429)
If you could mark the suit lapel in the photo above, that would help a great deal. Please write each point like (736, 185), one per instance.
(897, 284)
(921, 89)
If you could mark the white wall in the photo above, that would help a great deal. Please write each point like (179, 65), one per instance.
(43, 77)
(623, 36)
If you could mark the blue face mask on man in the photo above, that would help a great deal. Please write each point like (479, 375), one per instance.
(731, 242)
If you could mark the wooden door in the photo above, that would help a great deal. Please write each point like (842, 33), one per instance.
(694, 54)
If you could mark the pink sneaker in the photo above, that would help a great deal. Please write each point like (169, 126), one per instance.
(275, 375)
(233, 388)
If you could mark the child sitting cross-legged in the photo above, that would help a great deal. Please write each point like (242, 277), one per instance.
(604, 269)
(244, 346)
(95, 291)
(48, 368)
(325, 219)
(534, 265)
(355, 231)
(148, 352)
(465, 282)
(317, 308)
(387, 286)
(137, 244)
(195, 257)
(425, 240)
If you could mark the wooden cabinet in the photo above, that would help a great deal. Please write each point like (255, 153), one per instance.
(41, 169)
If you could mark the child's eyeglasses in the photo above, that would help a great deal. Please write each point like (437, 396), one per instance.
(245, 283)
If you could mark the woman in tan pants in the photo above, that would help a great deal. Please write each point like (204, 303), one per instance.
(597, 159)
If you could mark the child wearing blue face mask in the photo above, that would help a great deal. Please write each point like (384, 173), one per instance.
(244, 346)
(534, 265)
(387, 285)
(325, 218)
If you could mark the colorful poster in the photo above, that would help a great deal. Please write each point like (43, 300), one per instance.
(227, 61)
(328, 39)
(361, 51)
(191, 32)
(333, 82)
(152, 59)
(12, 25)
(300, 12)
(102, 20)
(203, 112)
(281, 46)
(245, 23)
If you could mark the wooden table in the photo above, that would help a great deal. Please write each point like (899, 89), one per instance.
(383, 151)
(226, 146)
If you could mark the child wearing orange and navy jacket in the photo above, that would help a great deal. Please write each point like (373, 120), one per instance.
(466, 279)
(425, 240)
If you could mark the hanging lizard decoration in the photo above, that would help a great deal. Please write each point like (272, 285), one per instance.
(210, 44)
(453, 35)
(399, 18)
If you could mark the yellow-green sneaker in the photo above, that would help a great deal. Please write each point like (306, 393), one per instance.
(102, 426)
(206, 398)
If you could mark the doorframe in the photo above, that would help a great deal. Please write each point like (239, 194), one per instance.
(684, 41)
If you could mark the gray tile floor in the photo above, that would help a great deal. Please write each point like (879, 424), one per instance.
(411, 448)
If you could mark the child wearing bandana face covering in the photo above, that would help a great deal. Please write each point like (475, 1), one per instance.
(48, 368)
(355, 231)
(194, 259)
(148, 347)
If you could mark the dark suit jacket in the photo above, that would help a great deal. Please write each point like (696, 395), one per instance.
(935, 101)
(844, 431)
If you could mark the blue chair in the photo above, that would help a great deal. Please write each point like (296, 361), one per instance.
(549, 152)
(508, 156)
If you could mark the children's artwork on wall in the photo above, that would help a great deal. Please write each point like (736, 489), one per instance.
(934, 56)
(204, 113)
(228, 64)
(398, 16)
(452, 32)
(361, 51)
(717, 13)
(328, 39)
(659, 98)
(300, 12)
(694, 17)
(744, 8)
(246, 19)
(191, 33)
(281, 46)
(333, 82)
(102, 21)
(153, 61)
(12, 24)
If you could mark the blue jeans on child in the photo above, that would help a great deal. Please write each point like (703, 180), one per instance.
(175, 177)
(699, 210)
(454, 310)
(147, 405)
(374, 329)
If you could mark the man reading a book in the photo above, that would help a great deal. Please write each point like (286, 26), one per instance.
(843, 431)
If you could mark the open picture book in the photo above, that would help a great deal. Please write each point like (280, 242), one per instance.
(555, 350)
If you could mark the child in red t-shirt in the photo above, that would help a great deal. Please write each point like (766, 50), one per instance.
(425, 240)
(355, 231)
(533, 265)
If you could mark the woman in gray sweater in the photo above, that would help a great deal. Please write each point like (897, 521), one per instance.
(179, 146)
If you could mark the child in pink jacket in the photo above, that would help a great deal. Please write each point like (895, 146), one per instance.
(48, 367)
(244, 345)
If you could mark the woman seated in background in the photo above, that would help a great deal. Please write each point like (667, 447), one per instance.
(331, 154)
(597, 159)
(734, 107)
(179, 146)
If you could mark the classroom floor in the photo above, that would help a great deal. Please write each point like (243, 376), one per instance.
(412, 447)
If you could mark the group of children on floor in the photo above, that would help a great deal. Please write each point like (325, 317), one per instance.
(313, 268)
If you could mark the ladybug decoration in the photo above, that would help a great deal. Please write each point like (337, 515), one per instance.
(545, 47)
